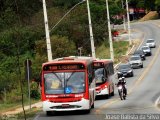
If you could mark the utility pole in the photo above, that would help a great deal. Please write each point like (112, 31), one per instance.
(110, 35)
(48, 42)
(129, 28)
(28, 66)
(124, 21)
(91, 31)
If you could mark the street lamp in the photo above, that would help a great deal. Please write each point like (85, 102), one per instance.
(49, 51)
(47, 28)
(129, 28)
(110, 35)
(67, 14)
(91, 31)
(48, 41)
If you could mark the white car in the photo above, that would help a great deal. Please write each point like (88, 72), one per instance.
(147, 50)
(136, 62)
(151, 43)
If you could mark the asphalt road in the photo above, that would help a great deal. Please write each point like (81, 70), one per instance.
(144, 87)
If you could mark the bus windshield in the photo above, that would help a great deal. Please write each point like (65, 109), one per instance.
(64, 82)
(99, 74)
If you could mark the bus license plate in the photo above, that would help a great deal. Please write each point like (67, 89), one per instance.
(65, 105)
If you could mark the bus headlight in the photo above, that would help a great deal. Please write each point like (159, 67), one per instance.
(129, 71)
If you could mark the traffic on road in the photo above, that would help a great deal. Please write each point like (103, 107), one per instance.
(110, 97)
(72, 83)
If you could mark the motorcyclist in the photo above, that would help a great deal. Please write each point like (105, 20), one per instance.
(123, 83)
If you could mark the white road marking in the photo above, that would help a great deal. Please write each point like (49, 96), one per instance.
(157, 102)
(36, 118)
(141, 42)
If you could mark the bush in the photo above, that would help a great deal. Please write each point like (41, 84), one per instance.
(61, 47)
(34, 90)
(35, 94)
(14, 96)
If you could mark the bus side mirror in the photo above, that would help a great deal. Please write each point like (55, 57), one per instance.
(103, 79)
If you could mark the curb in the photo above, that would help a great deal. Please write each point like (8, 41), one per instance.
(19, 110)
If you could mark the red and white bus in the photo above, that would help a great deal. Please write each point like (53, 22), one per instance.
(104, 75)
(68, 84)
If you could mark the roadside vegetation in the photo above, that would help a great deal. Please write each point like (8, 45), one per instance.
(120, 49)
(22, 36)
(29, 115)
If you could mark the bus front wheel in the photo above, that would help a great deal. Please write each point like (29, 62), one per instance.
(88, 111)
(49, 113)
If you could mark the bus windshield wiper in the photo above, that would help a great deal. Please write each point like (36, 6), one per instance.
(57, 76)
(69, 78)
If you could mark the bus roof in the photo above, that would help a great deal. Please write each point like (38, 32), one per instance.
(71, 59)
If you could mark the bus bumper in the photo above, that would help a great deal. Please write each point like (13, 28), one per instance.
(68, 106)
(102, 92)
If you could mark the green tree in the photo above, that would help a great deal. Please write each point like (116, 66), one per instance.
(65, 3)
(9, 40)
(61, 47)
(157, 2)
(150, 4)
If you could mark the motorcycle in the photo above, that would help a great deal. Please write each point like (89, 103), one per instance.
(121, 92)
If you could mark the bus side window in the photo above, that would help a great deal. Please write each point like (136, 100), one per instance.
(108, 70)
(112, 68)
(105, 74)
(90, 74)
(90, 78)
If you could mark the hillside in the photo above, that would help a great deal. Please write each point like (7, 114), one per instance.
(151, 15)
(22, 36)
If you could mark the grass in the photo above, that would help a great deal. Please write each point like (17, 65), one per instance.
(29, 115)
(119, 47)
(11, 106)
(19, 116)
(5, 106)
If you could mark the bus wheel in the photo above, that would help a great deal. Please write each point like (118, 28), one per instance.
(88, 111)
(107, 96)
(49, 113)
(112, 94)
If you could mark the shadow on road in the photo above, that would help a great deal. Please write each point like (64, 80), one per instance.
(68, 113)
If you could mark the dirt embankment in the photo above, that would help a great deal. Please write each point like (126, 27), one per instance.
(150, 16)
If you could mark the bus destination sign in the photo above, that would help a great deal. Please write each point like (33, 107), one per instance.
(64, 67)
